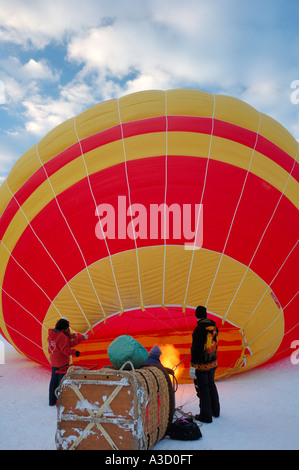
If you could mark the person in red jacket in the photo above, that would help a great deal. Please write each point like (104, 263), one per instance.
(60, 346)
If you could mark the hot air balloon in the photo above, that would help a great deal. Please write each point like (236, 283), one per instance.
(128, 216)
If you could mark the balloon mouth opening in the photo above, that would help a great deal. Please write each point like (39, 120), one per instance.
(169, 328)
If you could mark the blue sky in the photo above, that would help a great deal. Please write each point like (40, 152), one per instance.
(58, 58)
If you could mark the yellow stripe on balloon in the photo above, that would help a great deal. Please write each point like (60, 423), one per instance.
(203, 272)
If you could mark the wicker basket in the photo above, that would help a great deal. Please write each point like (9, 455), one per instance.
(114, 409)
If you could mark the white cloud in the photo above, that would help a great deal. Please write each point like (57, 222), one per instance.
(34, 70)
(152, 57)
(6, 159)
(39, 70)
(2, 92)
(43, 114)
(35, 24)
(173, 43)
(22, 80)
(212, 45)
(149, 80)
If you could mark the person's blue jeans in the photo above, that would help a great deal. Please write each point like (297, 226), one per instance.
(54, 383)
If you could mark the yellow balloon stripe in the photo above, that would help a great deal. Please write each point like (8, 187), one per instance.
(151, 262)
(145, 105)
(135, 107)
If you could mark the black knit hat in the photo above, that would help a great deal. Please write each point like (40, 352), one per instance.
(201, 312)
(62, 324)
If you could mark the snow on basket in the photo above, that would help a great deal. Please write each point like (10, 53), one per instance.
(114, 409)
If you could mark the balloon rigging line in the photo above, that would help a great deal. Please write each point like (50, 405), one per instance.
(280, 313)
(187, 318)
(95, 203)
(291, 300)
(283, 351)
(130, 205)
(60, 210)
(295, 326)
(162, 321)
(202, 195)
(263, 360)
(28, 339)
(46, 250)
(148, 312)
(265, 347)
(276, 318)
(18, 303)
(165, 208)
(269, 344)
(262, 332)
(234, 215)
(260, 241)
(267, 289)
(165, 197)
(30, 277)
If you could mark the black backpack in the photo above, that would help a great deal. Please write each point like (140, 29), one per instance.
(184, 429)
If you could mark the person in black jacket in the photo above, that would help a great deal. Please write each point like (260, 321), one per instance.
(204, 364)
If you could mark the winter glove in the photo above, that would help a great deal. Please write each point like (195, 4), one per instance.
(192, 373)
(77, 353)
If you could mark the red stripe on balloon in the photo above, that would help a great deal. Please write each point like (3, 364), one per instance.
(185, 182)
(175, 123)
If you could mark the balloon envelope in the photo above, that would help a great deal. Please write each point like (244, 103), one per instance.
(126, 217)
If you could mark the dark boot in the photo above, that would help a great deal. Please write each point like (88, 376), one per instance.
(202, 419)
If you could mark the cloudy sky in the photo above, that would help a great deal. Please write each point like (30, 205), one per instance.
(60, 57)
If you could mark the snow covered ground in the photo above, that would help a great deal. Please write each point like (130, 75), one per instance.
(259, 409)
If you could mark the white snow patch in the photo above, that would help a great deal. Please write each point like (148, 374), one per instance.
(259, 409)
